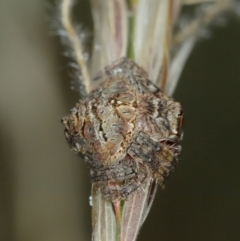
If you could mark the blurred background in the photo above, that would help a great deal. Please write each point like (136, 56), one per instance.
(45, 189)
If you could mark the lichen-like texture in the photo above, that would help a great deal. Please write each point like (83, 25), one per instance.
(126, 129)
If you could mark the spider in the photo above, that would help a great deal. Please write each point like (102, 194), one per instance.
(127, 129)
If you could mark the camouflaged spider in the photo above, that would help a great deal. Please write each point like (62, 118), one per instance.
(126, 129)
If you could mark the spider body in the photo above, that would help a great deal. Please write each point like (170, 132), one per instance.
(126, 129)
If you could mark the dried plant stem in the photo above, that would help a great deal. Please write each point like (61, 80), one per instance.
(103, 218)
(110, 33)
(177, 64)
(186, 38)
(136, 209)
(121, 220)
(201, 21)
(149, 38)
(162, 82)
(67, 24)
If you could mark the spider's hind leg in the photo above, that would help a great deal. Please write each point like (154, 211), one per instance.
(119, 181)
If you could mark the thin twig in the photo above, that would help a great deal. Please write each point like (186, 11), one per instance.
(186, 38)
(208, 16)
(177, 64)
(67, 24)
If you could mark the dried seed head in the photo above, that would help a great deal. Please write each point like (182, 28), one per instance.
(127, 129)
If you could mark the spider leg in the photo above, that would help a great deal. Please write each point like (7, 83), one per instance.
(115, 189)
(119, 181)
(160, 157)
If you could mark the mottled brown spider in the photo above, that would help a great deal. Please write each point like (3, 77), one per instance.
(126, 129)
